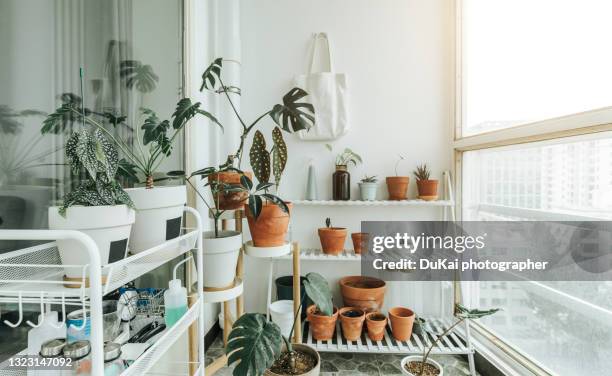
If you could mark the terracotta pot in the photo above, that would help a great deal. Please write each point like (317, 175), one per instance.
(428, 189)
(332, 239)
(366, 293)
(397, 187)
(233, 200)
(304, 349)
(402, 320)
(352, 319)
(376, 322)
(360, 241)
(321, 326)
(270, 229)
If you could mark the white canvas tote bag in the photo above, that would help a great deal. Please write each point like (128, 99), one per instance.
(327, 93)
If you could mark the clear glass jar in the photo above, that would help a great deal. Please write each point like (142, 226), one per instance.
(113, 364)
(80, 353)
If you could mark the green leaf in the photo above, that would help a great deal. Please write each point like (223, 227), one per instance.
(204, 172)
(263, 186)
(292, 115)
(136, 74)
(255, 205)
(155, 130)
(59, 120)
(260, 158)
(276, 201)
(318, 291)
(212, 74)
(246, 182)
(127, 171)
(185, 110)
(254, 344)
(279, 155)
(466, 313)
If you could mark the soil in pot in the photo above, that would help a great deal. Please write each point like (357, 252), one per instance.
(414, 367)
(270, 229)
(332, 239)
(322, 326)
(303, 363)
(366, 293)
(402, 320)
(397, 187)
(230, 200)
(360, 241)
(376, 323)
(352, 320)
(428, 189)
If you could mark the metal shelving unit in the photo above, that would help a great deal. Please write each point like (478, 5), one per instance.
(34, 275)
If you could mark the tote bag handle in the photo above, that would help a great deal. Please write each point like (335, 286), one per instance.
(315, 43)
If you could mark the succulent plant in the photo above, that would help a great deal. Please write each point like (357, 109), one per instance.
(422, 172)
(369, 179)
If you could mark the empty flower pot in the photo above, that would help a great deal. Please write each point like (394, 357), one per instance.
(397, 187)
(230, 200)
(428, 189)
(376, 322)
(402, 320)
(322, 327)
(332, 239)
(360, 241)
(351, 319)
(366, 293)
(270, 228)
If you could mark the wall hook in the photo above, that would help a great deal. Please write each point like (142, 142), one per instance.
(84, 310)
(20, 315)
(42, 312)
(63, 323)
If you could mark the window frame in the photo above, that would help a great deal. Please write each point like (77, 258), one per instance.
(503, 355)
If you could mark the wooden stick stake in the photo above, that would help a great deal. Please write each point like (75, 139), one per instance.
(297, 338)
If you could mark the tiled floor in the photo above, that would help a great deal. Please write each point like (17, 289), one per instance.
(341, 364)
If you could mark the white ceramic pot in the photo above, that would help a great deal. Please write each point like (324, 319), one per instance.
(368, 191)
(220, 257)
(418, 358)
(159, 215)
(282, 314)
(108, 226)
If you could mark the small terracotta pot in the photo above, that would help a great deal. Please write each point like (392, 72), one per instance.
(360, 241)
(402, 320)
(270, 229)
(352, 319)
(428, 189)
(397, 187)
(332, 239)
(231, 200)
(376, 322)
(366, 293)
(321, 326)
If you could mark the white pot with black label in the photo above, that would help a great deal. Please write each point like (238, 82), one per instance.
(159, 216)
(108, 226)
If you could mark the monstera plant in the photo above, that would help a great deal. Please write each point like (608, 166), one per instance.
(256, 344)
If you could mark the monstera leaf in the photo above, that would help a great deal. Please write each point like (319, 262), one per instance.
(466, 313)
(155, 129)
(212, 74)
(318, 291)
(279, 155)
(260, 158)
(254, 343)
(292, 115)
(185, 110)
(136, 74)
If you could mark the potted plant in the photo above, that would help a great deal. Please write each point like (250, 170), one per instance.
(351, 320)
(397, 185)
(332, 238)
(416, 365)
(159, 211)
(367, 188)
(291, 116)
(360, 241)
(98, 207)
(367, 293)
(341, 179)
(258, 347)
(428, 189)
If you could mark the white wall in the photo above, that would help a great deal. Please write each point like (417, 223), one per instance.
(398, 58)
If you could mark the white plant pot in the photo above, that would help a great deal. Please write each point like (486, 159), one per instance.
(108, 226)
(368, 191)
(220, 257)
(282, 314)
(159, 215)
(418, 358)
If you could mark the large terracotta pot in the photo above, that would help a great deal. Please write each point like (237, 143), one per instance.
(397, 187)
(270, 229)
(360, 241)
(231, 200)
(366, 293)
(402, 320)
(332, 239)
(376, 322)
(322, 327)
(305, 349)
(428, 189)
(351, 319)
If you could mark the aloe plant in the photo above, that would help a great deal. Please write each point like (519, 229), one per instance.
(255, 343)
(422, 172)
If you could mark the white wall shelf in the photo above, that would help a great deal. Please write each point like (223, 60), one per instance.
(372, 203)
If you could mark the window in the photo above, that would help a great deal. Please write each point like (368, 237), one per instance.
(538, 63)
